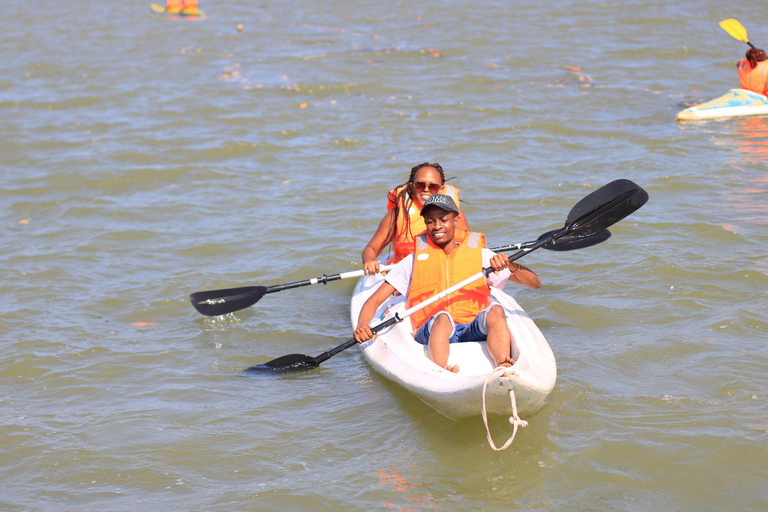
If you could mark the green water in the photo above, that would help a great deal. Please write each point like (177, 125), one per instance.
(144, 157)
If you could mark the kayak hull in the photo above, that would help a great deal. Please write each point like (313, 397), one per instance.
(396, 355)
(735, 103)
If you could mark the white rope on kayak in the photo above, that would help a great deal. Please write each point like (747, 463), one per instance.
(514, 419)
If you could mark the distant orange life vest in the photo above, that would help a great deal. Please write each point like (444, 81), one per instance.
(189, 7)
(435, 271)
(754, 79)
(402, 243)
(173, 6)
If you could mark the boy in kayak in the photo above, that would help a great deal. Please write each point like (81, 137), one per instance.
(443, 256)
(753, 71)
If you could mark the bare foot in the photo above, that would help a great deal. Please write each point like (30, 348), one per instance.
(505, 362)
(452, 368)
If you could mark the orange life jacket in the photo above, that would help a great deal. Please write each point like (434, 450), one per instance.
(435, 271)
(189, 7)
(754, 79)
(173, 6)
(402, 243)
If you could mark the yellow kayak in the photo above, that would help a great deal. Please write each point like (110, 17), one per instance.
(734, 103)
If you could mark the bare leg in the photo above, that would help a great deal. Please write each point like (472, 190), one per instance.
(438, 346)
(499, 338)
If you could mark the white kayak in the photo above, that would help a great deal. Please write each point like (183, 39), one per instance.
(735, 103)
(399, 358)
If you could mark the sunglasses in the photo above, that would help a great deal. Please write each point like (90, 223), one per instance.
(420, 186)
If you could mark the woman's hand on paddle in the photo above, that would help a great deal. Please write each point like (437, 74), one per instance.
(383, 236)
(371, 267)
(364, 333)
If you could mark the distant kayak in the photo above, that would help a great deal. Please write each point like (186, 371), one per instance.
(734, 103)
(157, 9)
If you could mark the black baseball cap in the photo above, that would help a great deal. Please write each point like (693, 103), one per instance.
(441, 201)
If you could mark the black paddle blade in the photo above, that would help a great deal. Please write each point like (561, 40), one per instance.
(289, 363)
(605, 207)
(571, 242)
(221, 302)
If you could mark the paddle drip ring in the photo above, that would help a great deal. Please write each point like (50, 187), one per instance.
(514, 419)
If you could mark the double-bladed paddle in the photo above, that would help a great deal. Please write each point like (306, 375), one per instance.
(736, 30)
(229, 300)
(590, 217)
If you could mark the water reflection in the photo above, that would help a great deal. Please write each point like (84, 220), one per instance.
(750, 184)
(745, 188)
(753, 142)
(748, 188)
(407, 486)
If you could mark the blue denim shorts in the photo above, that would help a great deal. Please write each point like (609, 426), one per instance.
(474, 331)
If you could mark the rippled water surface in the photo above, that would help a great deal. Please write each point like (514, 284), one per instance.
(145, 157)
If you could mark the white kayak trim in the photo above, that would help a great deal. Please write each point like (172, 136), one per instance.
(479, 388)
(734, 103)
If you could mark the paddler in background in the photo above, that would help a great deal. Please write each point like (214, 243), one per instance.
(442, 257)
(181, 6)
(189, 7)
(403, 220)
(173, 6)
(753, 71)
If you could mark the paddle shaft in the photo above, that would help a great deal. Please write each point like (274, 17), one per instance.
(221, 302)
(325, 279)
(399, 317)
(352, 341)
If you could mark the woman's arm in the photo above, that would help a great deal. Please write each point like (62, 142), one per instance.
(383, 236)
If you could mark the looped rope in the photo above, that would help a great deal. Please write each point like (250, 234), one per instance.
(514, 419)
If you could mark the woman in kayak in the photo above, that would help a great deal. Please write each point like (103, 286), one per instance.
(403, 219)
(753, 71)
